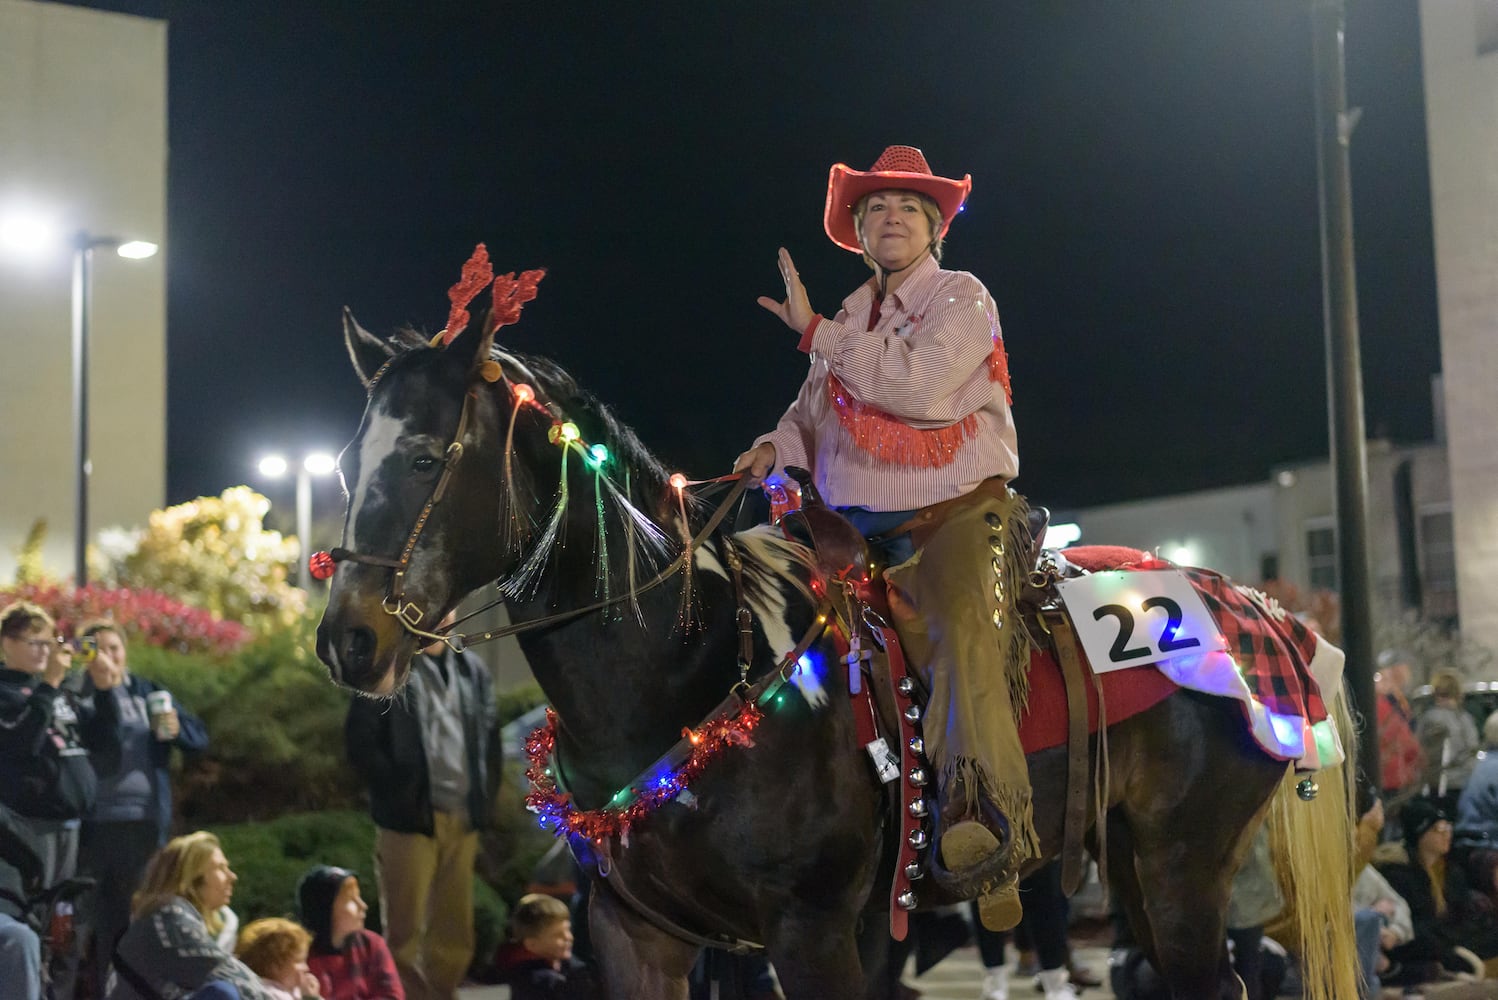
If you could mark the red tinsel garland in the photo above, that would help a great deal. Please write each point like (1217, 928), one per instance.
(649, 792)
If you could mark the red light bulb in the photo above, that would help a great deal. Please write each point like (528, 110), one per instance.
(321, 565)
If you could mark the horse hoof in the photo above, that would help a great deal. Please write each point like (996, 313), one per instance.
(966, 845)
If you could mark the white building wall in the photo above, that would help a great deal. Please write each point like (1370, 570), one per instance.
(1460, 52)
(1304, 498)
(1230, 530)
(83, 137)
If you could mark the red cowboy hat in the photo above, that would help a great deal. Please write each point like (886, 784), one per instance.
(901, 168)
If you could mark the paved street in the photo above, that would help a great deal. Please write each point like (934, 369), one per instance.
(957, 978)
(961, 974)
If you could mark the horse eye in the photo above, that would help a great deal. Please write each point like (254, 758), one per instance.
(423, 463)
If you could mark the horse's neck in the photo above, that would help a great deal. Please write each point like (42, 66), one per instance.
(623, 688)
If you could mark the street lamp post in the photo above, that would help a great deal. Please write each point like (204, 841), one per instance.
(316, 464)
(32, 234)
(84, 245)
(1344, 378)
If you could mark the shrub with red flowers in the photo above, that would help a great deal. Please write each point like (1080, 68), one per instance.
(146, 616)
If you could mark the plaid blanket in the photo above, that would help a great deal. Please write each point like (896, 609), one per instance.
(1275, 667)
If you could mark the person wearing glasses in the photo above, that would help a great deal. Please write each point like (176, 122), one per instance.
(50, 740)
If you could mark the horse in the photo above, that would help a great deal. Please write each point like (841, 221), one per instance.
(472, 467)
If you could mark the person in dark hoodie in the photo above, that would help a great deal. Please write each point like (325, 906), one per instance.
(350, 962)
(50, 740)
(51, 743)
(537, 962)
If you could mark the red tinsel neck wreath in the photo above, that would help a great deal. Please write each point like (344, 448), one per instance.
(650, 791)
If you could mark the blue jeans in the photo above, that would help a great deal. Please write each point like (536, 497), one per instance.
(20, 960)
(872, 524)
(1366, 925)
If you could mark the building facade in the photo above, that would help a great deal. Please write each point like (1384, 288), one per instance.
(83, 140)
(1459, 40)
(1285, 529)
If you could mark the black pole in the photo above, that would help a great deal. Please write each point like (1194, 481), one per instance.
(1344, 377)
(83, 260)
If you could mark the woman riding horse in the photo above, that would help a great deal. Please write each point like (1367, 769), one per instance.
(904, 422)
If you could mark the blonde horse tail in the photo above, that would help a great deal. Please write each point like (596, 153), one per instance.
(1312, 844)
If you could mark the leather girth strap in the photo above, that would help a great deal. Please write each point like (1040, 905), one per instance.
(1074, 676)
(613, 881)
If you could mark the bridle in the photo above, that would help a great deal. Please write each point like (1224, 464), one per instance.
(394, 603)
(410, 616)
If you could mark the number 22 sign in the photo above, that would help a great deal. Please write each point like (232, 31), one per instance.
(1126, 619)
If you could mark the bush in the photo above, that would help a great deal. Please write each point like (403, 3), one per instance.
(214, 552)
(146, 616)
(270, 857)
(275, 726)
(514, 703)
(491, 918)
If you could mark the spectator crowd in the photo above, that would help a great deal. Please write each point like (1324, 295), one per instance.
(86, 813)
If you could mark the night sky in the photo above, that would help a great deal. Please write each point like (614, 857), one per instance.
(1144, 212)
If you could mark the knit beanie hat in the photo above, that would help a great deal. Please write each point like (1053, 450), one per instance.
(1417, 817)
(315, 895)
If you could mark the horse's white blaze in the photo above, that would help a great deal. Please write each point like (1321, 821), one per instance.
(380, 438)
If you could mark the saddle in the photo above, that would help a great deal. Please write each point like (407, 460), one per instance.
(889, 698)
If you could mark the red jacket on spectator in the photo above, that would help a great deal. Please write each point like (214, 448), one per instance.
(363, 970)
(1398, 750)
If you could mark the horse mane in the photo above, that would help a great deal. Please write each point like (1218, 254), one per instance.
(774, 567)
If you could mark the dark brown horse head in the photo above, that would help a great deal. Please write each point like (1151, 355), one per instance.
(401, 566)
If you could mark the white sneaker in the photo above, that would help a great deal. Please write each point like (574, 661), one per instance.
(1057, 985)
(995, 984)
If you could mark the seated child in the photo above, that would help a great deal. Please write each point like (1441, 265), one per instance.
(537, 962)
(350, 962)
(276, 950)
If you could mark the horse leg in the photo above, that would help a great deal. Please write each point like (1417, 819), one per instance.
(815, 955)
(637, 960)
(1191, 823)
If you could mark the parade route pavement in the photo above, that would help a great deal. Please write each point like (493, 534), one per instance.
(960, 976)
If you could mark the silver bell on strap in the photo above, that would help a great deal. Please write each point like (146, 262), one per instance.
(906, 900)
(918, 808)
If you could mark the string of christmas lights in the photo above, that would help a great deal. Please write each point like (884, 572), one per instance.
(558, 813)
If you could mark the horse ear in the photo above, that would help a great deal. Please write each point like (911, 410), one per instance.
(365, 350)
(477, 337)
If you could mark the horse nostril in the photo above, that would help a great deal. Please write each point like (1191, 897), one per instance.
(358, 650)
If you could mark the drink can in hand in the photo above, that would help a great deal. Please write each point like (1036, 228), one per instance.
(159, 705)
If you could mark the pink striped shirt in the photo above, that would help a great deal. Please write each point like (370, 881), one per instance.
(925, 362)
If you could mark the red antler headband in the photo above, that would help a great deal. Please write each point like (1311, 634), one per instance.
(510, 294)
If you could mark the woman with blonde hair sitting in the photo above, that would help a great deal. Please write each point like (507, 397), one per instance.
(169, 950)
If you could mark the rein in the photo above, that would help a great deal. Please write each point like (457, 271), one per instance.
(410, 616)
